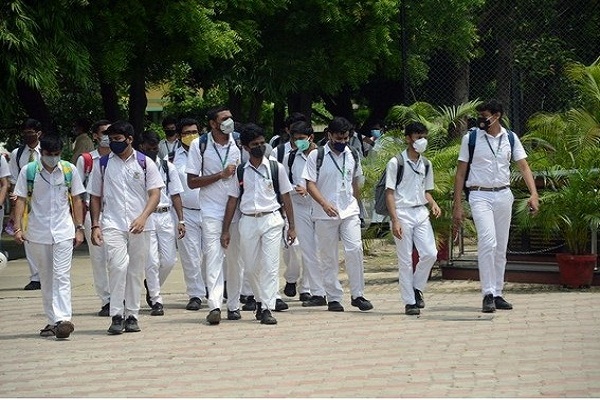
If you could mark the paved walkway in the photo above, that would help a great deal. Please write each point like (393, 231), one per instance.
(548, 346)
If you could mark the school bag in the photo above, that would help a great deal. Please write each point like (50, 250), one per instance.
(32, 169)
(274, 166)
(165, 167)
(472, 140)
(380, 205)
(321, 155)
(88, 163)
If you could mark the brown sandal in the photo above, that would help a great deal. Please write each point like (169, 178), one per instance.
(49, 330)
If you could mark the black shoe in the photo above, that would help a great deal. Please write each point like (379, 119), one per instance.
(488, 304)
(267, 318)
(250, 304)
(104, 311)
(411, 309)
(148, 298)
(290, 289)
(64, 329)
(117, 326)
(281, 305)
(48, 330)
(131, 324)
(419, 298)
(33, 285)
(259, 311)
(315, 301)
(157, 309)
(234, 315)
(194, 304)
(243, 298)
(214, 316)
(335, 306)
(362, 303)
(304, 297)
(502, 304)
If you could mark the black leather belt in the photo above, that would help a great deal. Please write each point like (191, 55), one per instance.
(485, 189)
(194, 209)
(162, 209)
(260, 214)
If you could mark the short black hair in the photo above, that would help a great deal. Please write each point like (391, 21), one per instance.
(51, 143)
(31, 123)
(211, 114)
(121, 128)
(492, 105)
(168, 121)
(414, 127)
(185, 122)
(96, 125)
(250, 132)
(339, 125)
(301, 127)
(294, 117)
(150, 137)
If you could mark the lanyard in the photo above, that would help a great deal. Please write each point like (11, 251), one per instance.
(410, 164)
(343, 169)
(259, 173)
(490, 146)
(223, 161)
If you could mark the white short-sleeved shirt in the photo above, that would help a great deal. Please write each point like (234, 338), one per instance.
(124, 191)
(175, 186)
(415, 182)
(335, 181)
(4, 169)
(287, 147)
(15, 167)
(491, 158)
(50, 220)
(80, 164)
(213, 198)
(297, 168)
(190, 198)
(165, 147)
(259, 191)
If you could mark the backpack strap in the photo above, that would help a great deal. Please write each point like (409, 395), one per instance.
(275, 178)
(290, 163)
(320, 156)
(280, 152)
(400, 170)
(19, 154)
(165, 166)
(511, 140)
(202, 142)
(240, 177)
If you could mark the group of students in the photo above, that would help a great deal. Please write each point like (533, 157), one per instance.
(229, 207)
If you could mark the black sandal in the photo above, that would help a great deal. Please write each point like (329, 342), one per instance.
(49, 330)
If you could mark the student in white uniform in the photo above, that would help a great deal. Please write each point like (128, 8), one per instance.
(261, 224)
(50, 222)
(211, 167)
(4, 184)
(190, 246)
(490, 196)
(409, 216)
(168, 145)
(31, 131)
(85, 164)
(335, 190)
(163, 252)
(127, 189)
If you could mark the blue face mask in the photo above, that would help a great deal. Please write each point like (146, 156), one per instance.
(376, 133)
(118, 147)
(302, 144)
(339, 146)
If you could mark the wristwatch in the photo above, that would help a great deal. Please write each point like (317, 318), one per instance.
(182, 222)
(79, 227)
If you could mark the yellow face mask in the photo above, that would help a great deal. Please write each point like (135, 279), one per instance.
(188, 139)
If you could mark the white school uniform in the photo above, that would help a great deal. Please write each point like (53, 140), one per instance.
(413, 214)
(4, 173)
(49, 236)
(335, 184)
(492, 211)
(123, 188)
(261, 228)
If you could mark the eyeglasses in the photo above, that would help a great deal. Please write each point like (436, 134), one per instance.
(189, 132)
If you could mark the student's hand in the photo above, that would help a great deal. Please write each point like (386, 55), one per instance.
(20, 237)
(301, 190)
(228, 171)
(97, 237)
(291, 236)
(78, 237)
(457, 215)
(137, 225)
(397, 229)
(330, 210)
(181, 230)
(435, 210)
(225, 238)
(534, 204)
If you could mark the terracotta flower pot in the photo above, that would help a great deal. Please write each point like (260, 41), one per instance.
(576, 270)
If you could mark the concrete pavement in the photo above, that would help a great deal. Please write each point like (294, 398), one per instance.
(548, 346)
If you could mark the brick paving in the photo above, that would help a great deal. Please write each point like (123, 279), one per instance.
(548, 346)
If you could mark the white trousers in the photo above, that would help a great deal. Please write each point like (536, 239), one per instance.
(98, 261)
(260, 245)
(492, 212)
(312, 275)
(190, 251)
(127, 254)
(34, 269)
(328, 232)
(417, 231)
(162, 254)
(54, 261)
(235, 269)
(214, 255)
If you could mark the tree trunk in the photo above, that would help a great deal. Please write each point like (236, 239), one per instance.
(34, 105)
(278, 117)
(340, 105)
(110, 101)
(381, 95)
(461, 83)
(137, 101)
(255, 107)
(300, 102)
(234, 102)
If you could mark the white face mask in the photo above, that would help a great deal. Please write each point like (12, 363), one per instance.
(420, 145)
(51, 161)
(104, 142)
(227, 126)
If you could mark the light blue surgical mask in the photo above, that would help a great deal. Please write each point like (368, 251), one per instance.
(376, 133)
(302, 144)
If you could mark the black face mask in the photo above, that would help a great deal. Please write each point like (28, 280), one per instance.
(151, 154)
(483, 123)
(29, 139)
(258, 151)
(170, 133)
